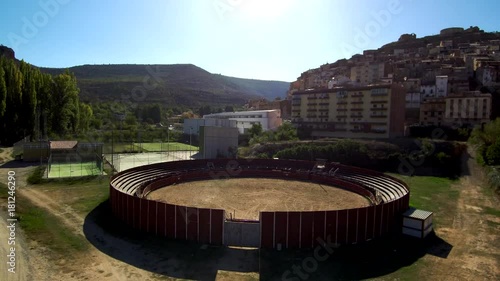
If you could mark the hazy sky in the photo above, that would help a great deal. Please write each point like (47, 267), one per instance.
(262, 39)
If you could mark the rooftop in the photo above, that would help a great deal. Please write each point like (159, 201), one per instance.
(63, 144)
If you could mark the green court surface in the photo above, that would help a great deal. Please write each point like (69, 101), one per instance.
(165, 146)
(73, 170)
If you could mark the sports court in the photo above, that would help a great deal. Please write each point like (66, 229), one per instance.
(67, 170)
(124, 161)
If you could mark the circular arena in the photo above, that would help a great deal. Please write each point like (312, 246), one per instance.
(259, 202)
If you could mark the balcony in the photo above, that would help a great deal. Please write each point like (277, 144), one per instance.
(324, 103)
(357, 102)
(356, 116)
(378, 116)
(323, 110)
(379, 109)
(312, 104)
(312, 98)
(379, 101)
(312, 110)
(341, 109)
(342, 116)
(341, 102)
(296, 110)
(356, 109)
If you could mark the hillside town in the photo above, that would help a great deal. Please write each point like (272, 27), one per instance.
(446, 80)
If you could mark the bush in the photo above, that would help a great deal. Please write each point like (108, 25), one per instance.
(36, 175)
(493, 154)
(494, 178)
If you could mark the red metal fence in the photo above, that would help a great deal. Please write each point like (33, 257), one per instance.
(308, 229)
(172, 221)
(304, 229)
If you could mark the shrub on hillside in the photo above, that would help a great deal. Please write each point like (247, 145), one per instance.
(36, 175)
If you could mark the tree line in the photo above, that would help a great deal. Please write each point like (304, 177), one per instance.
(32, 102)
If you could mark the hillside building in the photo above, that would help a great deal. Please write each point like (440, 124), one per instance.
(467, 109)
(375, 111)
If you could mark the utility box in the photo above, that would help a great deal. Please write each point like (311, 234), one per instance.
(417, 223)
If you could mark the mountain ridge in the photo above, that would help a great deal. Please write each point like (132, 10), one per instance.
(184, 84)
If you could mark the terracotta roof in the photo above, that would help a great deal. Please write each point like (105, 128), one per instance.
(63, 144)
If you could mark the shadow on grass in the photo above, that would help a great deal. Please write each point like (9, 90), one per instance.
(371, 259)
(162, 256)
(18, 164)
(180, 259)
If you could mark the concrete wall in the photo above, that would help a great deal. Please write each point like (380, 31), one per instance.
(33, 152)
(243, 234)
(218, 142)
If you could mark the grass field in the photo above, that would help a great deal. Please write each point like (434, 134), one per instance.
(438, 195)
(73, 170)
(46, 229)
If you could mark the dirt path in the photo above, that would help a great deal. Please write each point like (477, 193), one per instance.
(32, 261)
(22, 265)
(475, 254)
(99, 266)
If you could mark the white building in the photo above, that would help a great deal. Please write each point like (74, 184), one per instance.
(441, 85)
(269, 119)
(192, 126)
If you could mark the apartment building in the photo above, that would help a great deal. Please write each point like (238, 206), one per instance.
(375, 111)
(366, 73)
(432, 111)
(467, 109)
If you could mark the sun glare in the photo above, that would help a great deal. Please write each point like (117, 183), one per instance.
(262, 9)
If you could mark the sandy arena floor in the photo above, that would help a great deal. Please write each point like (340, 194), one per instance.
(244, 198)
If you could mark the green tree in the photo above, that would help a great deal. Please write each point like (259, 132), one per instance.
(29, 97)
(65, 110)
(3, 91)
(86, 117)
(286, 132)
(493, 154)
(255, 130)
(485, 137)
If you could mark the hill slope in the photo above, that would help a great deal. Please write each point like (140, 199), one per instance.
(178, 84)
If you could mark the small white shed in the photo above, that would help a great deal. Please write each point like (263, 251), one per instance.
(417, 223)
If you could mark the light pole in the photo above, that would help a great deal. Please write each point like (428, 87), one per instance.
(190, 133)
(170, 128)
